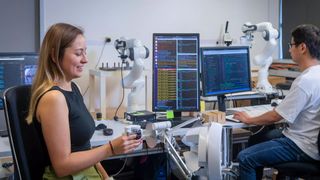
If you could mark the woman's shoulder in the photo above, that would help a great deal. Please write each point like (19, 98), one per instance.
(52, 96)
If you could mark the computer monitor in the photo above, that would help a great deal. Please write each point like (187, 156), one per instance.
(15, 69)
(176, 79)
(225, 70)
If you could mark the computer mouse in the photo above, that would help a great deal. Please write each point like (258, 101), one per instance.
(101, 126)
(107, 132)
(274, 104)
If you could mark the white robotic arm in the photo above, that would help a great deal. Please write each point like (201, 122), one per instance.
(263, 59)
(135, 51)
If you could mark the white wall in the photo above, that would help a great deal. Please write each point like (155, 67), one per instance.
(141, 18)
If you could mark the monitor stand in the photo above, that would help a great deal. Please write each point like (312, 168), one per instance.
(221, 103)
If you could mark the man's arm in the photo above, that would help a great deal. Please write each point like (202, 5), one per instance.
(269, 117)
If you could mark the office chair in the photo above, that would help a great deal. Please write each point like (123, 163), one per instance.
(26, 146)
(305, 170)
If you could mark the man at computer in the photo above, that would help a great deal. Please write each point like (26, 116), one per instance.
(300, 109)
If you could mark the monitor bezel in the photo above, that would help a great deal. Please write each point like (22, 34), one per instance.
(4, 55)
(205, 94)
(153, 72)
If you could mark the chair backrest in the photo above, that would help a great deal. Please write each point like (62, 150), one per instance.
(319, 143)
(24, 138)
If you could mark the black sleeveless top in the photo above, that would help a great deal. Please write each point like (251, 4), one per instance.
(81, 123)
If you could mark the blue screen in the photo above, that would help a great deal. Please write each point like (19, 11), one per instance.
(225, 70)
(16, 69)
(176, 72)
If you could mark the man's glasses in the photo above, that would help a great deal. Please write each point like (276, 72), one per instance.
(291, 44)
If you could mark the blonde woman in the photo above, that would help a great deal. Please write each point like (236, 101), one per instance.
(57, 107)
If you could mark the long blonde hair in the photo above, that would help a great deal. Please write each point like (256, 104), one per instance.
(57, 39)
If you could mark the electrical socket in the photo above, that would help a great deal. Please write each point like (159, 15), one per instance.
(107, 39)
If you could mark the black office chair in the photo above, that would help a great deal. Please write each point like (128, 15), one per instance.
(24, 139)
(292, 170)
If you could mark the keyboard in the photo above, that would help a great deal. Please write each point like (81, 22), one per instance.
(251, 110)
(231, 111)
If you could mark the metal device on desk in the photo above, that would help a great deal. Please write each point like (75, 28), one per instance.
(160, 132)
(264, 59)
(212, 160)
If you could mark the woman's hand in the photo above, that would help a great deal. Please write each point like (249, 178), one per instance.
(125, 144)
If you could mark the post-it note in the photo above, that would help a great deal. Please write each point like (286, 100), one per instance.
(202, 106)
(170, 114)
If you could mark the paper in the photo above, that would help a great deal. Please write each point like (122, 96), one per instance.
(170, 114)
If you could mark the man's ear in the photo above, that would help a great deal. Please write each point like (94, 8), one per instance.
(303, 48)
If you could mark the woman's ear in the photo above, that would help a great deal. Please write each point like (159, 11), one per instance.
(52, 56)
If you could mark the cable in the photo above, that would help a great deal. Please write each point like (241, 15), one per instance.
(104, 45)
(95, 67)
(123, 93)
(258, 131)
(121, 169)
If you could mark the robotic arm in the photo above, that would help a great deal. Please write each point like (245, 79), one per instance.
(136, 52)
(263, 59)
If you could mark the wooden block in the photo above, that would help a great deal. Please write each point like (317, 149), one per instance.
(214, 116)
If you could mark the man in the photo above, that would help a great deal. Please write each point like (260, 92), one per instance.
(300, 109)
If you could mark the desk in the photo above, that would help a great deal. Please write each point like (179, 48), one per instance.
(219, 150)
(102, 77)
(118, 129)
(97, 139)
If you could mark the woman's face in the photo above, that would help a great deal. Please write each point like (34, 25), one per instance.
(74, 58)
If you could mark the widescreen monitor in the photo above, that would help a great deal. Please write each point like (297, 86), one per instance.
(225, 70)
(15, 69)
(176, 79)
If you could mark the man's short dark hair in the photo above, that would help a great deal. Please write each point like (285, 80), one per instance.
(310, 35)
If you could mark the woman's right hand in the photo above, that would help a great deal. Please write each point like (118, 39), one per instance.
(125, 144)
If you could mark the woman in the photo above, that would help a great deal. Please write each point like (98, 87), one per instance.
(57, 106)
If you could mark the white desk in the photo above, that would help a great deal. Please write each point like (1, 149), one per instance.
(102, 77)
(118, 129)
(97, 139)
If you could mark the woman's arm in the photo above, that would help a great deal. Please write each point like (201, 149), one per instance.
(52, 112)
